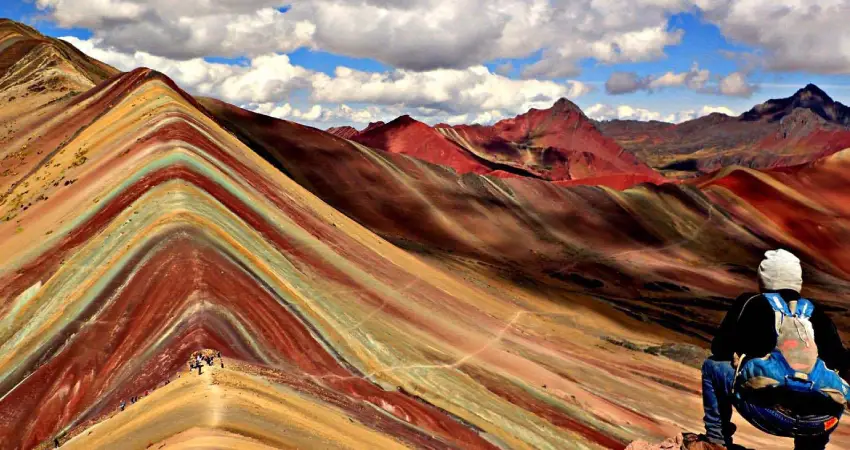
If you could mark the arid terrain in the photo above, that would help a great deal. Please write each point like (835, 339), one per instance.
(537, 283)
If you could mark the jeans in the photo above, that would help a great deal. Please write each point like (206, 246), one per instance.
(718, 378)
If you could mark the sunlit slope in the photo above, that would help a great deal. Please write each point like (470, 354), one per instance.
(39, 78)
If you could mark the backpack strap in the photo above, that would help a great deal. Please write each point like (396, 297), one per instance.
(804, 308)
(780, 309)
(777, 303)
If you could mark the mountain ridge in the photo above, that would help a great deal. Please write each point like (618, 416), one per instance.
(786, 132)
(557, 143)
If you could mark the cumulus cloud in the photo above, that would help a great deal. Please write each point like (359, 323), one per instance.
(602, 111)
(736, 84)
(706, 110)
(266, 83)
(186, 29)
(450, 90)
(287, 111)
(417, 35)
(625, 83)
(430, 34)
(645, 44)
(266, 78)
(696, 79)
(629, 82)
(324, 116)
(799, 36)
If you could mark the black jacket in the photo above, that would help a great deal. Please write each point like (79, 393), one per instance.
(750, 330)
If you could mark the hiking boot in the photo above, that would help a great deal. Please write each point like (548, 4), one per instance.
(692, 441)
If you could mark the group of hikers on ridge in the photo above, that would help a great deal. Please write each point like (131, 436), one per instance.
(205, 356)
(778, 360)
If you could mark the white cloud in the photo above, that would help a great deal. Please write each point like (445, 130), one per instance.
(271, 79)
(706, 110)
(791, 35)
(626, 83)
(266, 82)
(451, 90)
(696, 79)
(286, 111)
(410, 34)
(268, 78)
(645, 44)
(736, 84)
(270, 109)
(431, 34)
(185, 29)
(323, 116)
(602, 111)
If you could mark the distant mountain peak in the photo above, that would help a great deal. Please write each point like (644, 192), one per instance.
(372, 126)
(812, 92)
(564, 105)
(345, 131)
(404, 120)
(809, 97)
(561, 103)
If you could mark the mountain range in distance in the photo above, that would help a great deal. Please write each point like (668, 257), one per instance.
(561, 144)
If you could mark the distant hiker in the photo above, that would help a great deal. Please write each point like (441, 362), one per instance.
(199, 369)
(774, 359)
(218, 354)
(56, 443)
(123, 405)
(222, 363)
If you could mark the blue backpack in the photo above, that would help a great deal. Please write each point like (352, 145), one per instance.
(793, 366)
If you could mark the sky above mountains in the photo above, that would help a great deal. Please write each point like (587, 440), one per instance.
(347, 62)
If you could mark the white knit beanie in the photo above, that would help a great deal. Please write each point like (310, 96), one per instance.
(780, 270)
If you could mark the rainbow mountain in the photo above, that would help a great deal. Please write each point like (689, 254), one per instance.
(359, 298)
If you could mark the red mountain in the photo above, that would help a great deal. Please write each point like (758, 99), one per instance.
(348, 132)
(413, 138)
(558, 144)
(778, 133)
(372, 126)
(343, 132)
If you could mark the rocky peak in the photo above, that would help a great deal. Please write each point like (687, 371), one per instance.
(812, 93)
(811, 98)
(564, 106)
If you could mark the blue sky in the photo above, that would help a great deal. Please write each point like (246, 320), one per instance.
(714, 40)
